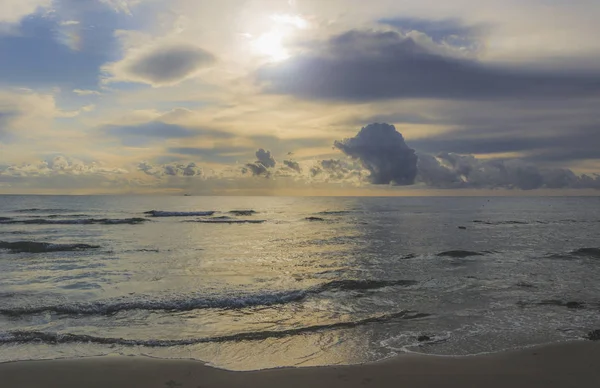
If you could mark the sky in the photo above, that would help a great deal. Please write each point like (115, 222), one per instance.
(299, 97)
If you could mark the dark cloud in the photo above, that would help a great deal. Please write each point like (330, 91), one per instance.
(542, 145)
(448, 170)
(371, 65)
(265, 158)
(264, 162)
(170, 64)
(173, 169)
(441, 31)
(293, 165)
(382, 150)
(256, 169)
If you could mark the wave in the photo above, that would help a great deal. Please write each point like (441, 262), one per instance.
(5, 219)
(361, 285)
(460, 254)
(87, 221)
(314, 219)
(182, 304)
(334, 212)
(553, 302)
(42, 210)
(244, 213)
(63, 216)
(228, 221)
(158, 213)
(503, 222)
(41, 247)
(65, 338)
(110, 307)
(589, 252)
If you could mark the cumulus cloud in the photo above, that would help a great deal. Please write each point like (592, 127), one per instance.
(162, 64)
(60, 165)
(173, 169)
(382, 150)
(338, 171)
(265, 158)
(265, 161)
(448, 170)
(375, 65)
(293, 165)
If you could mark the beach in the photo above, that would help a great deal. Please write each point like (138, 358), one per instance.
(572, 364)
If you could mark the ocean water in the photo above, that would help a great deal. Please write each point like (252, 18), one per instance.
(260, 282)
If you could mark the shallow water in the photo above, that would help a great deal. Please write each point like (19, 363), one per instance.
(250, 283)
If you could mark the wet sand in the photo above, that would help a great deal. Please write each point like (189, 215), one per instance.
(575, 364)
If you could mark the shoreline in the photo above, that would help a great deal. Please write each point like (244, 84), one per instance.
(568, 364)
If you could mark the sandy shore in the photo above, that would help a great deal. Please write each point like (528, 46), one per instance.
(563, 365)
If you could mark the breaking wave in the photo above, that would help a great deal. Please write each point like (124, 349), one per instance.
(56, 338)
(41, 247)
(196, 303)
(158, 213)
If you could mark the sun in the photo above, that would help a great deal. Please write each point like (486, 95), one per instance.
(272, 43)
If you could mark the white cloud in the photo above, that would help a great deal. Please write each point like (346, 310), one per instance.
(69, 23)
(124, 6)
(60, 165)
(82, 92)
(13, 11)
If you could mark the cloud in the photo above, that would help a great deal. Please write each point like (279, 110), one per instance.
(25, 112)
(444, 31)
(448, 170)
(173, 169)
(45, 54)
(338, 171)
(548, 144)
(81, 92)
(382, 150)
(265, 161)
(154, 131)
(59, 165)
(293, 165)
(265, 158)
(160, 65)
(374, 65)
(69, 23)
(216, 154)
(13, 11)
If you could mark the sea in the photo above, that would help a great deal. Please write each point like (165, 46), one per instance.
(247, 283)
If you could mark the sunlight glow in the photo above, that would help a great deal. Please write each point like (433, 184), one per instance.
(293, 20)
(271, 44)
